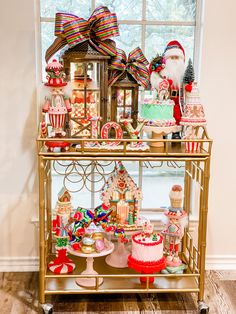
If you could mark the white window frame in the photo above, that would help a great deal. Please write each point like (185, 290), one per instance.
(198, 24)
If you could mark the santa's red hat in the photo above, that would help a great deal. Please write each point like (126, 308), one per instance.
(174, 48)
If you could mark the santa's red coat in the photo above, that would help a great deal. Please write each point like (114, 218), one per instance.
(177, 110)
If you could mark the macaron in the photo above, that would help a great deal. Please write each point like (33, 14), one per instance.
(87, 249)
(99, 245)
(88, 241)
(97, 236)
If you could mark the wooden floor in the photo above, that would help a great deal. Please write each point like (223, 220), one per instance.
(18, 295)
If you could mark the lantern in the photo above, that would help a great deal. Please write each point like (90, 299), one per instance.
(124, 99)
(87, 69)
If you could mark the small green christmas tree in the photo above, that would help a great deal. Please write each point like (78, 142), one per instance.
(154, 237)
(189, 73)
(130, 218)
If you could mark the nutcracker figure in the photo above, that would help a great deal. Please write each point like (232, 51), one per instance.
(174, 231)
(173, 236)
(62, 264)
(57, 105)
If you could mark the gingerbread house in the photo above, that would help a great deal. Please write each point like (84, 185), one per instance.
(123, 197)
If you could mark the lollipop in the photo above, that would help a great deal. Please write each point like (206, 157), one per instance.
(120, 233)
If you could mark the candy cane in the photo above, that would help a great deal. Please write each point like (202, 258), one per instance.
(94, 124)
(43, 129)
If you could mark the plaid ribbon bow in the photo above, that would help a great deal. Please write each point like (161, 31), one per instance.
(98, 29)
(136, 65)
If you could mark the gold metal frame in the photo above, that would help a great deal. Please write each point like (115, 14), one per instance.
(197, 168)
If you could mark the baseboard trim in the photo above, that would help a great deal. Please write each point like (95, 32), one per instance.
(19, 264)
(221, 262)
(24, 264)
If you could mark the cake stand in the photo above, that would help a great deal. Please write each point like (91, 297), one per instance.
(146, 267)
(119, 257)
(91, 282)
(158, 132)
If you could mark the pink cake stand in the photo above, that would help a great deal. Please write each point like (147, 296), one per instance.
(91, 282)
(119, 257)
(158, 132)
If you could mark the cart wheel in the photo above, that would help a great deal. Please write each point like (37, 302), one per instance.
(47, 308)
(203, 308)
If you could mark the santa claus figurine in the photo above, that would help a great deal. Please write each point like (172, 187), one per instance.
(57, 104)
(170, 66)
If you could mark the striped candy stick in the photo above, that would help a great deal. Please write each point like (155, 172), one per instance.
(192, 147)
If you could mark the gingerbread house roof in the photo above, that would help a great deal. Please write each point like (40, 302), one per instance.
(121, 182)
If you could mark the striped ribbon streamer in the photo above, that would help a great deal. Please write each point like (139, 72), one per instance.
(98, 30)
(136, 65)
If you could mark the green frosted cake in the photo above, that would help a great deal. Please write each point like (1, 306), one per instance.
(158, 113)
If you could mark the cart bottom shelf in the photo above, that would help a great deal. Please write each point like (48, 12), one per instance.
(117, 280)
(119, 285)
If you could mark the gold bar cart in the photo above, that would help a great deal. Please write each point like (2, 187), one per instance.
(197, 170)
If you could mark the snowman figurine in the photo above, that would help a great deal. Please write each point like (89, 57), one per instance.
(57, 104)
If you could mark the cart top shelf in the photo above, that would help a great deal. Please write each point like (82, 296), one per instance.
(99, 148)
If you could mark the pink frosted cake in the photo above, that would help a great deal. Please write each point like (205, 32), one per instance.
(147, 254)
(147, 247)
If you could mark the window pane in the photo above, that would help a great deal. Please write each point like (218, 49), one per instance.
(125, 10)
(47, 35)
(171, 10)
(77, 75)
(120, 97)
(80, 7)
(157, 37)
(130, 37)
(73, 183)
(128, 97)
(157, 183)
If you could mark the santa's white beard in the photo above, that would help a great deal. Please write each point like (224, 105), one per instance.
(174, 70)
